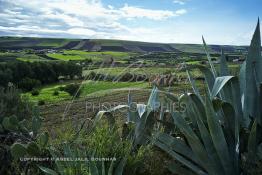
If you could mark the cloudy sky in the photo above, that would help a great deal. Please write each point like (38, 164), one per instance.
(169, 21)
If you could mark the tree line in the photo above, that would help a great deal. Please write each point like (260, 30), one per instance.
(27, 76)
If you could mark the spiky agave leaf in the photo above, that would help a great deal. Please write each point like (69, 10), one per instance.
(251, 75)
(218, 138)
(219, 84)
(209, 58)
(196, 144)
(193, 84)
(47, 170)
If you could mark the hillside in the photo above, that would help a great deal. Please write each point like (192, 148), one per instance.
(13, 43)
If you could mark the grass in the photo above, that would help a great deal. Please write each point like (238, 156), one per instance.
(91, 87)
(31, 58)
(95, 56)
(88, 88)
(8, 56)
(193, 62)
(120, 70)
(21, 56)
(53, 42)
(80, 52)
(66, 57)
(46, 95)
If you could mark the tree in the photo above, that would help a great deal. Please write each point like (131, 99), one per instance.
(28, 84)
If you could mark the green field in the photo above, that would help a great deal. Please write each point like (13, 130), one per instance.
(94, 87)
(31, 58)
(53, 42)
(94, 56)
(89, 88)
(118, 71)
(121, 70)
(66, 57)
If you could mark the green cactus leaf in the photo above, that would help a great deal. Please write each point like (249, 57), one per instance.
(13, 120)
(43, 139)
(33, 149)
(8, 125)
(18, 150)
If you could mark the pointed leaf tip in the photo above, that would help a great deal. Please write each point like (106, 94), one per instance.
(258, 23)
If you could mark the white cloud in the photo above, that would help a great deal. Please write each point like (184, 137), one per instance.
(137, 12)
(72, 21)
(180, 12)
(181, 2)
(78, 19)
(81, 31)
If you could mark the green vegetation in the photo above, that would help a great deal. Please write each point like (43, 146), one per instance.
(47, 95)
(53, 42)
(66, 57)
(84, 55)
(102, 53)
(27, 75)
(106, 45)
(140, 70)
(212, 128)
(90, 87)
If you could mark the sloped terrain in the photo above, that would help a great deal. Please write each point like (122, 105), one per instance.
(107, 45)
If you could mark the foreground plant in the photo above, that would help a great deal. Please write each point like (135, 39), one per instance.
(19, 133)
(220, 132)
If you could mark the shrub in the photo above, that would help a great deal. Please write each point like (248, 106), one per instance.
(73, 89)
(35, 92)
(41, 102)
(127, 77)
(19, 135)
(28, 84)
(91, 75)
(61, 88)
(56, 93)
(11, 103)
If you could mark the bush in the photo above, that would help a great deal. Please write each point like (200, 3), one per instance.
(35, 92)
(127, 77)
(73, 89)
(56, 93)
(28, 84)
(91, 75)
(12, 103)
(41, 102)
(61, 88)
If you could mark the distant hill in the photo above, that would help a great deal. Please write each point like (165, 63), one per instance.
(14, 43)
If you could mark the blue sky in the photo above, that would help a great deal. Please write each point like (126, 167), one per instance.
(167, 21)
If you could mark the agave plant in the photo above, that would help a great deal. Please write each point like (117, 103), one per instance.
(212, 140)
(139, 120)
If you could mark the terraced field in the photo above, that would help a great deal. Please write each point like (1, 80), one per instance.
(89, 88)
(148, 71)
(75, 111)
(107, 45)
(94, 56)
(78, 110)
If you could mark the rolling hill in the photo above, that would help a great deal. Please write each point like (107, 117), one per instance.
(14, 43)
